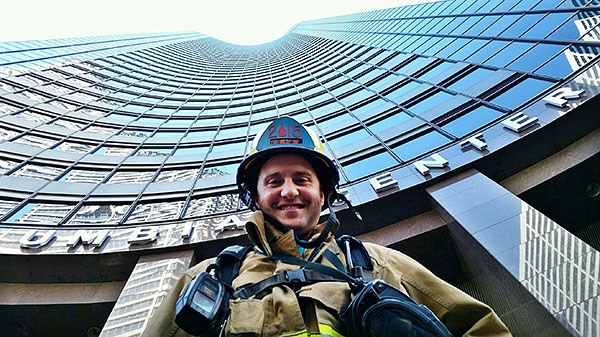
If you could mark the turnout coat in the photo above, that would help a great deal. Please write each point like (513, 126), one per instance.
(312, 310)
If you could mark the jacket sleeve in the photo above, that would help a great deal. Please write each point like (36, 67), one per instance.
(462, 314)
(162, 322)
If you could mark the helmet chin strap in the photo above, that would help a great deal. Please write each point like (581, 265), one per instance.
(332, 221)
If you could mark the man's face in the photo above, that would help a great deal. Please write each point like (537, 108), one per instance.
(290, 192)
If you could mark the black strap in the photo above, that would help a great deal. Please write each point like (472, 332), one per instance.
(310, 273)
(331, 257)
(292, 278)
(358, 253)
(229, 261)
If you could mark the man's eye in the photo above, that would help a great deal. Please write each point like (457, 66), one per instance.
(302, 180)
(273, 182)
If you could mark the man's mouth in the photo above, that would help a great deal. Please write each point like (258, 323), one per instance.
(286, 207)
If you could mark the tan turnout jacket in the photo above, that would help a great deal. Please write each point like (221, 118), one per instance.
(312, 310)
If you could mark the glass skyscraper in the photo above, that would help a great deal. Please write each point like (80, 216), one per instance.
(466, 134)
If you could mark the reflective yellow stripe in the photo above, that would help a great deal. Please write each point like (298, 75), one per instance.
(325, 330)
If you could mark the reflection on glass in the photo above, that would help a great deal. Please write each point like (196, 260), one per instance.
(98, 214)
(212, 205)
(472, 120)
(6, 206)
(521, 93)
(130, 177)
(74, 147)
(177, 175)
(423, 144)
(37, 213)
(561, 271)
(38, 172)
(6, 165)
(162, 211)
(84, 176)
(36, 141)
(369, 165)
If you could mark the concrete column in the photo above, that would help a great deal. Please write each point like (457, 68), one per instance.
(541, 279)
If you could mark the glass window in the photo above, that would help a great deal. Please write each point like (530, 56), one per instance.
(389, 122)
(440, 68)
(7, 165)
(430, 102)
(99, 215)
(399, 94)
(541, 29)
(452, 47)
(37, 213)
(84, 176)
(177, 175)
(423, 144)
(6, 206)
(561, 66)
(482, 24)
(349, 138)
(497, 27)
(153, 152)
(471, 121)
(221, 170)
(470, 79)
(211, 205)
(468, 49)
(73, 147)
(131, 177)
(535, 57)
(521, 93)
(547, 4)
(44, 143)
(508, 54)
(567, 31)
(486, 51)
(369, 165)
(199, 152)
(113, 151)
(439, 44)
(38, 172)
(521, 25)
(162, 211)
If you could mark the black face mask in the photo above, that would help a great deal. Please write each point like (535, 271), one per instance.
(380, 310)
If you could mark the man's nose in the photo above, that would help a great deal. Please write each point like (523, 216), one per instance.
(289, 190)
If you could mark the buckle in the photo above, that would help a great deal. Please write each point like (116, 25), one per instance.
(295, 276)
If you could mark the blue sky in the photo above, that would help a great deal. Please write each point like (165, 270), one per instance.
(235, 21)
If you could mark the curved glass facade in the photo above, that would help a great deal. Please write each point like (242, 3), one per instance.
(128, 130)
(118, 155)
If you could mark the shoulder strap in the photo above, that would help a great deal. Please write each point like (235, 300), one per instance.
(310, 273)
(229, 261)
(359, 256)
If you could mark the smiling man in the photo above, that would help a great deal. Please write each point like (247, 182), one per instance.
(284, 285)
(289, 190)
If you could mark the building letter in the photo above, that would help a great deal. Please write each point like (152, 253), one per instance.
(560, 97)
(29, 240)
(519, 122)
(383, 182)
(94, 239)
(186, 233)
(340, 202)
(477, 141)
(437, 162)
(142, 236)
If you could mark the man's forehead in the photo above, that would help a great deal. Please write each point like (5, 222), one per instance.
(286, 162)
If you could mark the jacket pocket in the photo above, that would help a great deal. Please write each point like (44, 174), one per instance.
(246, 318)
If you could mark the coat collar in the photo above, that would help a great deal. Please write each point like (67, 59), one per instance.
(269, 239)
